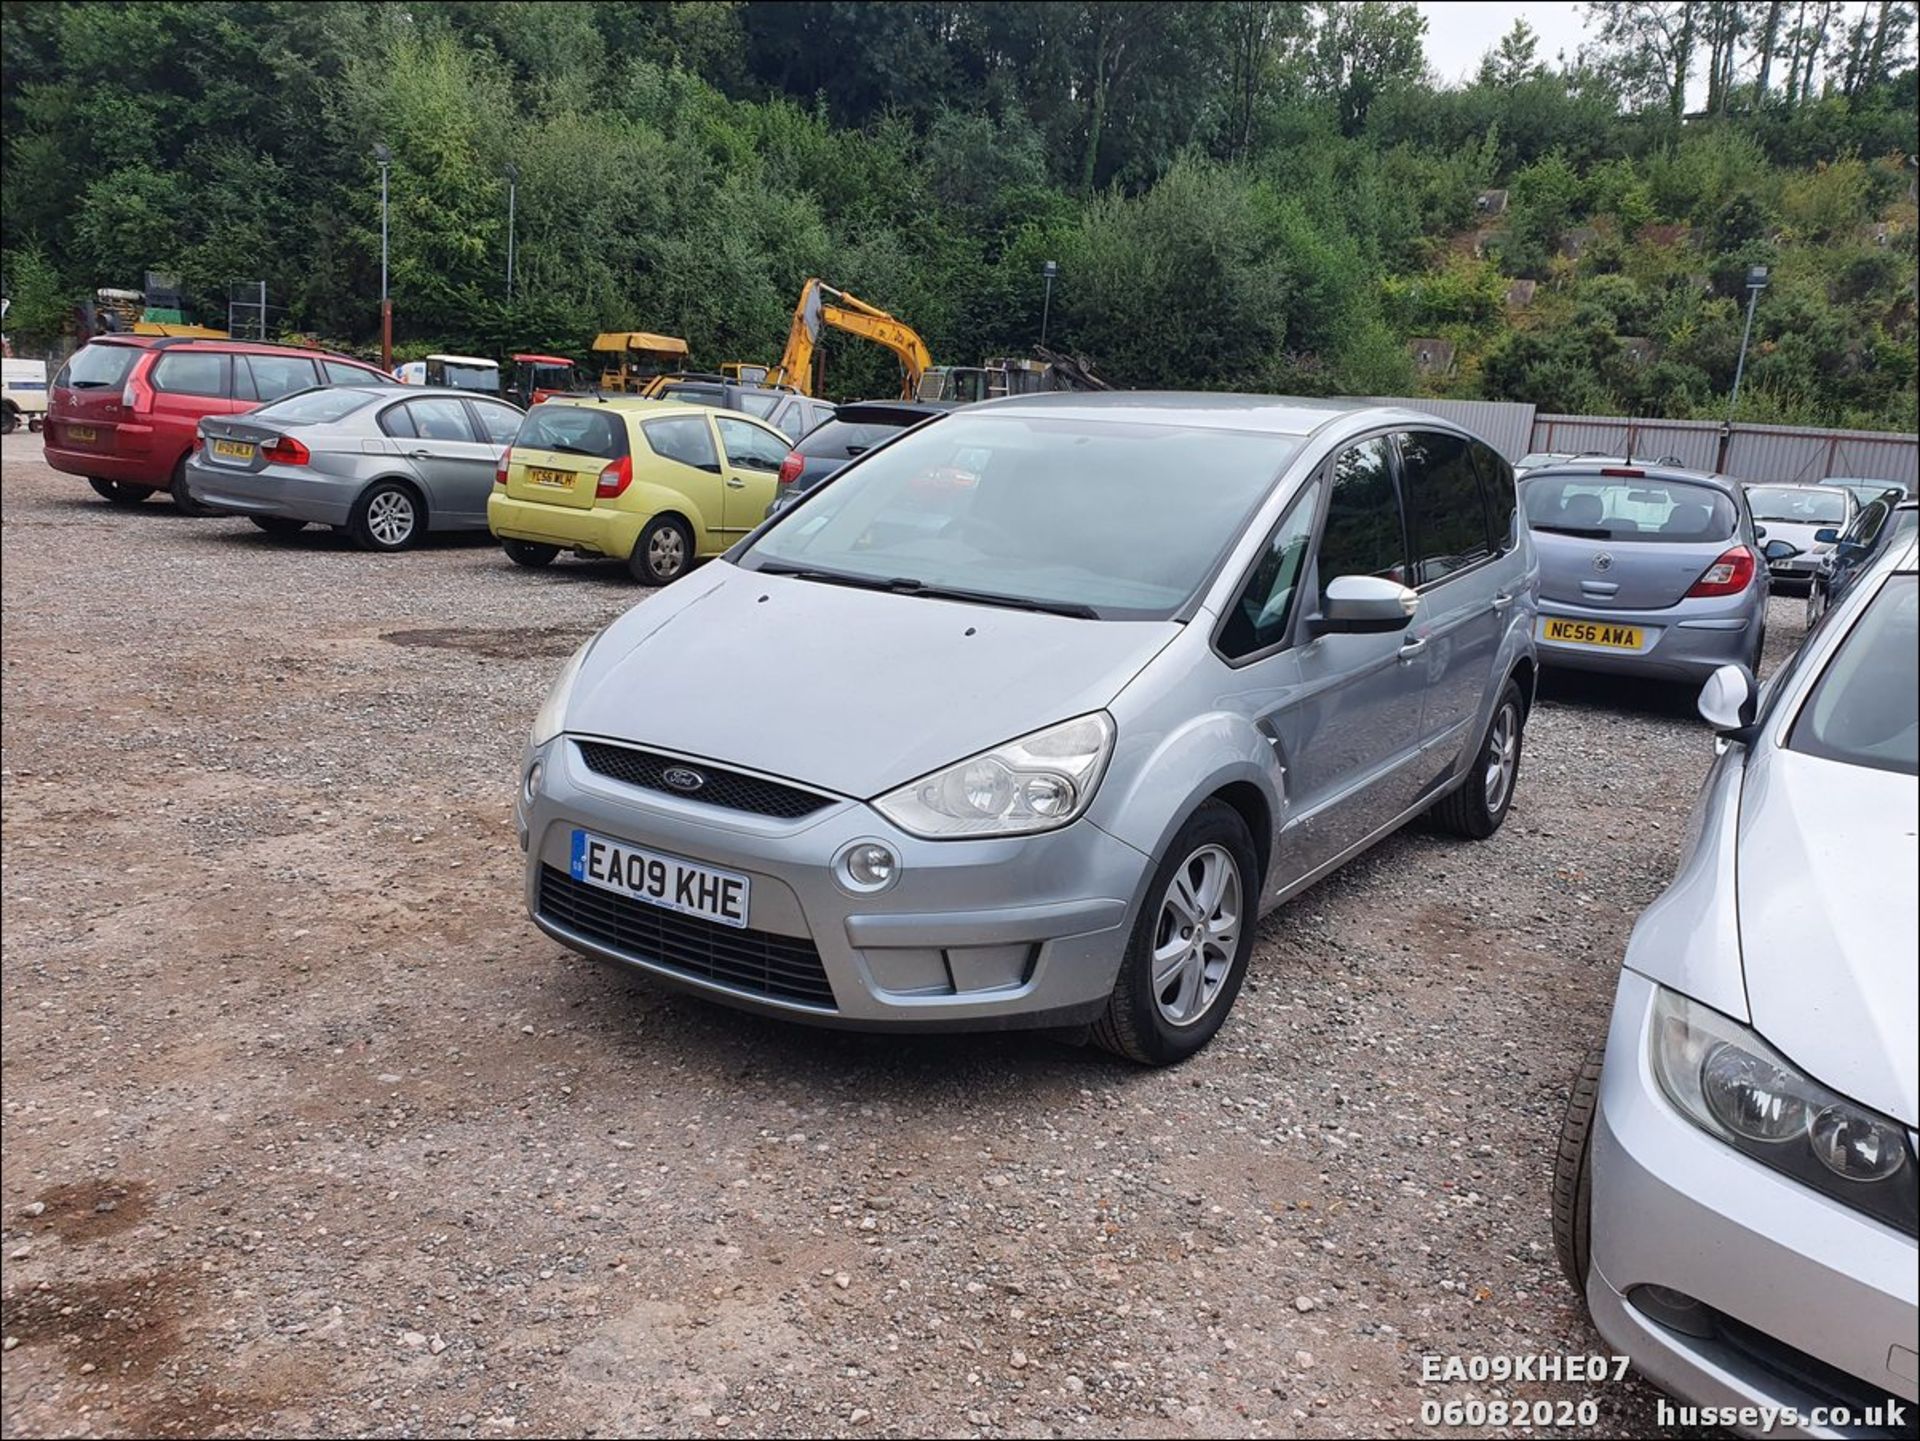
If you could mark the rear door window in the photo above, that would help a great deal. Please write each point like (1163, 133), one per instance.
(395, 421)
(750, 447)
(340, 373)
(98, 367)
(439, 417)
(1496, 480)
(684, 438)
(500, 422)
(191, 372)
(1603, 507)
(272, 376)
(1445, 510)
(758, 403)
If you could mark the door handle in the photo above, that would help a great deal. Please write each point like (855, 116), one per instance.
(419, 455)
(1411, 648)
(733, 484)
(1503, 600)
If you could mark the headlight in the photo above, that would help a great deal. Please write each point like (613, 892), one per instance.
(1036, 783)
(553, 711)
(1728, 1081)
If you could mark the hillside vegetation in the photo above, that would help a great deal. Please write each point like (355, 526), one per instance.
(1258, 196)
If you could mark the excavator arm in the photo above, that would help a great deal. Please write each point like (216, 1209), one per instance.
(823, 305)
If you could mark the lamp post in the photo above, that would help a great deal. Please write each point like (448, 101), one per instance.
(1048, 269)
(384, 158)
(513, 180)
(1756, 282)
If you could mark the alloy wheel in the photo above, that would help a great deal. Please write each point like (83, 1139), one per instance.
(1502, 758)
(390, 517)
(1196, 936)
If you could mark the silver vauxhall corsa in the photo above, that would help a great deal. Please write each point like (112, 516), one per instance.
(1736, 1193)
(1646, 569)
(382, 463)
(1026, 715)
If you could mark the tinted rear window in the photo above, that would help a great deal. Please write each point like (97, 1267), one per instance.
(1604, 507)
(575, 429)
(95, 366)
(842, 439)
(313, 407)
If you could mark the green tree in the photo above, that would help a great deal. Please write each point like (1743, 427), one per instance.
(1362, 47)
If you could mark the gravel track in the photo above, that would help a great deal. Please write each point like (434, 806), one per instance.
(307, 1130)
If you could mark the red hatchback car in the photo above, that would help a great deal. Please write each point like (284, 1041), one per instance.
(125, 408)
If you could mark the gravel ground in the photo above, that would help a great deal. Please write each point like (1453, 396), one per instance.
(307, 1130)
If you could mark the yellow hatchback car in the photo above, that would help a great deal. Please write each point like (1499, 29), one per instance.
(655, 483)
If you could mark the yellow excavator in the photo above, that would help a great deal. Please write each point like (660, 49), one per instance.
(821, 304)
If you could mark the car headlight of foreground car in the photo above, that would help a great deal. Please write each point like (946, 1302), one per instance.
(552, 716)
(1729, 1082)
(1038, 782)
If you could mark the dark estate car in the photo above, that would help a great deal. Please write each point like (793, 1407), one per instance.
(855, 429)
(1880, 524)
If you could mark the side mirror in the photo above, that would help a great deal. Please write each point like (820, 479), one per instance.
(1728, 701)
(1779, 550)
(1759, 532)
(1365, 605)
(1827, 535)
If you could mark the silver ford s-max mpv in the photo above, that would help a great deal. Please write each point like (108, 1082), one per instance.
(1025, 717)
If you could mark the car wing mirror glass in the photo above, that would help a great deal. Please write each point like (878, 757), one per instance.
(1365, 605)
(1780, 550)
(1827, 535)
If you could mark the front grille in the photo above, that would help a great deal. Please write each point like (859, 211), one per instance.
(719, 787)
(785, 967)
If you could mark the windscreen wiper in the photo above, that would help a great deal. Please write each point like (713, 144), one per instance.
(906, 585)
(1588, 532)
(827, 577)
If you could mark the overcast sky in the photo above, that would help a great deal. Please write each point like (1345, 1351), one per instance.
(1459, 32)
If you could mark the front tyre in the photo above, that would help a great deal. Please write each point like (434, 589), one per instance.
(1476, 808)
(1188, 952)
(388, 517)
(1573, 1176)
(1816, 604)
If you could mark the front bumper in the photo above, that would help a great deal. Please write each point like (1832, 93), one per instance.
(1814, 1304)
(1676, 645)
(594, 529)
(993, 933)
(283, 491)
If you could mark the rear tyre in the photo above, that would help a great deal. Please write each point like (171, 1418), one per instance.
(119, 492)
(278, 524)
(9, 421)
(663, 552)
(1573, 1176)
(388, 518)
(1477, 807)
(183, 502)
(529, 553)
(1188, 952)
(1816, 605)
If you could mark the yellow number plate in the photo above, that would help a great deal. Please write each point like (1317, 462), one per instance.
(233, 449)
(1587, 632)
(81, 432)
(561, 478)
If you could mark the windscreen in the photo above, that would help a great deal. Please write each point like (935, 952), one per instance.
(313, 407)
(465, 377)
(1797, 505)
(1865, 708)
(574, 430)
(94, 367)
(1601, 507)
(1126, 520)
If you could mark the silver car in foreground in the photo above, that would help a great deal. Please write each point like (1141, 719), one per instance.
(1646, 570)
(1027, 717)
(384, 465)
(1736, 1189)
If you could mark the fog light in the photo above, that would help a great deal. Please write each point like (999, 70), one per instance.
(866, 866)
(1675, 1310)
(532, 786)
